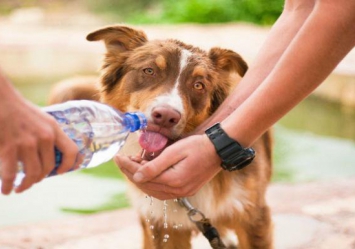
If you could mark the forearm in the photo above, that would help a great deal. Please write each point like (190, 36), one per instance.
(279, 38)
(316, 50)
(7, 91)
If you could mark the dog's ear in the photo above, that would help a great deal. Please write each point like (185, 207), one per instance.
(227, 63)
(121, 38)
(119, 41)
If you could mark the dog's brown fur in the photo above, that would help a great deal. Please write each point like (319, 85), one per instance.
(75, 89)
(234, 200)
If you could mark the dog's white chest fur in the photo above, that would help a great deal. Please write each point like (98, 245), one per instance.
(175, 215)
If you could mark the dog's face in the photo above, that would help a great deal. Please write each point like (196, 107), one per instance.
(177, 86)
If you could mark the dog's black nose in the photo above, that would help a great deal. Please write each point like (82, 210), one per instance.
(165, 116)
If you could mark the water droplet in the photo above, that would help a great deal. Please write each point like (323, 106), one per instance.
(153, 237)
(143, 154)
(165, 214)
(166, 237)
(151, 201)
(148, 219)
(175, 226)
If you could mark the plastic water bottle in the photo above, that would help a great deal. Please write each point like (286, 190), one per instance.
(98, 130)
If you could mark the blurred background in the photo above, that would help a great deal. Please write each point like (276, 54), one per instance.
(43, 41)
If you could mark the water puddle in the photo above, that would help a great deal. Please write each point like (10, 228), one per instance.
(304, 156)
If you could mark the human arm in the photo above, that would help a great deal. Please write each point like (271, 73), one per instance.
(316, 50)
(282, 33)
(265, 94)
(28, 135)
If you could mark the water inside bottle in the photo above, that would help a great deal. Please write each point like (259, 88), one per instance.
(107, 141)
(106, 151)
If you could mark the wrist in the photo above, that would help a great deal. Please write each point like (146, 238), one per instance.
(233, 156)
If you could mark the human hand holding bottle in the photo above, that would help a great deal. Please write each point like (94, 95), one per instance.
(29, 135)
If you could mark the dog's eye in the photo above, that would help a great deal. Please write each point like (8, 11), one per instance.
(199, 86)
(148, 71)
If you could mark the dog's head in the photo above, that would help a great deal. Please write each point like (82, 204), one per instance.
(176, 85)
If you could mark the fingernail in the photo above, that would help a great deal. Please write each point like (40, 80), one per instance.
(138, 177)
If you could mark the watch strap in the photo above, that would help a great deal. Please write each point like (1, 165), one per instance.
(233, 155)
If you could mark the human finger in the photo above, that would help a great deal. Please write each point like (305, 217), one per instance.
(8, 172)
(69, 152)
(46, 153)
(154, 168)
(78, 161)
(28, 155)
(155, 190)
(127, 164)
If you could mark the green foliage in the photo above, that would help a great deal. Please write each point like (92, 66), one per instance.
(189, 11)
(106, 170)
(211, 11)
(7, 6)
(217, 11)
(117, 201)
(166, 11)
(120, 10)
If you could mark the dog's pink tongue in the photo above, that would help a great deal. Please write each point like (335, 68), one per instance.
(152, 141)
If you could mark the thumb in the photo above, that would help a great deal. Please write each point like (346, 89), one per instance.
(154, 168)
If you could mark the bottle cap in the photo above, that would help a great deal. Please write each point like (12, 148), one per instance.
(137, 120)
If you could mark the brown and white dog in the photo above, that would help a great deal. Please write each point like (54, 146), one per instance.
(178, 86)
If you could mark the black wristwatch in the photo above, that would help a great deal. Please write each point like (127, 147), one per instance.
(233, 155)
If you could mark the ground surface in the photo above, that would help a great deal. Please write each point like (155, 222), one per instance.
(317, 215)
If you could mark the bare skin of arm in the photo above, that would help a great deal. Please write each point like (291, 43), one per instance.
(319, 46)
(303, 47)
(294, 15)
(29, 135)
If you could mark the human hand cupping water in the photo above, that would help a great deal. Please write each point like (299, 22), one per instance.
(179, 171)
